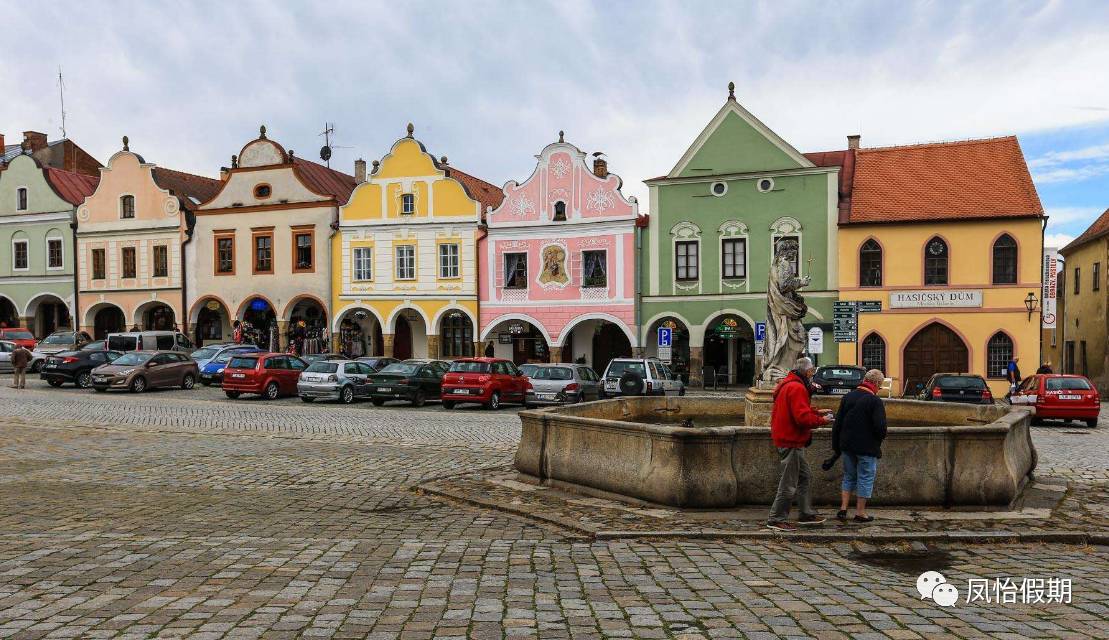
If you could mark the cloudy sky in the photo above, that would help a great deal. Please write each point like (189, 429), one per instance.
(488, 84)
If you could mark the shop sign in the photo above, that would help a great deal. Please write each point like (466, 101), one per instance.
(728, 328)
(212, 305)
(1050, 288)
(816, 340)
(927, 298)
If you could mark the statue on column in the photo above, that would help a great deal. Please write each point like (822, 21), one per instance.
(785, 308)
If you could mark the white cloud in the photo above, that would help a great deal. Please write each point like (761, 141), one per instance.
(1062, 216)
(1057, 240)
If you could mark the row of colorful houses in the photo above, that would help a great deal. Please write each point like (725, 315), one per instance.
(412, 257)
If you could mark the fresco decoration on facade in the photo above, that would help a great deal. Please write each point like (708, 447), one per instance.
(554, 272)
(522, 206)
(600, 200)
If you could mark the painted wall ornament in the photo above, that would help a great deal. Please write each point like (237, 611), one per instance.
(600, 200)
(554, 266)
(522, 206)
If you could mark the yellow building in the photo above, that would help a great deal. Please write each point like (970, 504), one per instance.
(948, 238)
(404, 271)
(1084, 323)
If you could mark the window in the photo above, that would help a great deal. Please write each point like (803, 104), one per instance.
(127, 257)
(1077, 279)
(457, 336)
(408, 204)
(560, 211)
(448, 261)
(225, 255)
(764, 185)
(262, 191)
(127, 207)
(406, 262)
(303, 253)
(363, 258)
(19, 255)
(1095, 277)
(21, 199)
(999, 351)
(516, 270)
(870, 264)
(97, 264)
(719, 188)
(686, 263)
(594, 269)
(734, 254)
(263, 253)
(935, 262)
(1005, 260)
(161, 261)
(874, 352)
(54, 255)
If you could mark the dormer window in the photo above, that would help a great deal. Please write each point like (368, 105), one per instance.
(408, 204)
(262, 191)
(21, 199)
(127, 207)
(560, 211)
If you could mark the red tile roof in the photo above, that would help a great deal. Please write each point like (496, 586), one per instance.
(943, 181)
(1099, 228)
(324, 180)
(71, 187)
(187, 186)
(478, 189)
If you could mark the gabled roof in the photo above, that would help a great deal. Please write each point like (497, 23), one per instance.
(71, 187)
(324, 180)
(943, 181)
(190, 189)
(1099, 228)
(478, 189)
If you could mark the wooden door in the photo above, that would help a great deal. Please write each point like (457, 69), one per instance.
(934, 349)
(402, 340)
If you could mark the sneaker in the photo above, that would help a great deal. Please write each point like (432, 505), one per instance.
(841, 515)
(864, 518)
(782, 526)
(811, 520)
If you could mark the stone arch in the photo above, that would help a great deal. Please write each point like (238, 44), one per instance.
(291, 304)
(442, 313)
(391, 322)
(597, 316)
(492, 324)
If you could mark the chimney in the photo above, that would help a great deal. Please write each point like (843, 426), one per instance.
(853, 141)
(600, 166)
(37, 140)
(1, 143)
(359, 171)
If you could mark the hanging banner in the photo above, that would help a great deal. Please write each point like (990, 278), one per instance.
(1050, 288)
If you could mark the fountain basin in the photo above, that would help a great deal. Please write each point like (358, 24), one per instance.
(935, 454)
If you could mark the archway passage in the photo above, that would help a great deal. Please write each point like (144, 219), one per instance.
(409, 336)
(360, 334)
(456, 335)
(596, 342)
(934, 349)
(49, 314)
(108, 319)
(679, 345)
(209, 323)
(308, 328)
(519, 341)
(730, 349)
(260, 324)
(158, 317)
(9, 317)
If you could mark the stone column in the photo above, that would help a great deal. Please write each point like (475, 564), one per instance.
(282, 341)
(556, 354)
(433, 346)
(479, 348)
(387, 345)
(638, 352)
(696, 360)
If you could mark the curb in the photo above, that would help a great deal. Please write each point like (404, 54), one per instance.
(557, 521)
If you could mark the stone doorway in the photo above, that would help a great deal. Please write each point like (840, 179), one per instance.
(934, 349)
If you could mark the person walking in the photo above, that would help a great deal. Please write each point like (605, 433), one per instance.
(1012, 374)
(21, 357)
(1045, 368)
(857, 435)
(489, 350)
(792, 420)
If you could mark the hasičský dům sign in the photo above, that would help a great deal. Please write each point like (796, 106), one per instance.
(941, 298)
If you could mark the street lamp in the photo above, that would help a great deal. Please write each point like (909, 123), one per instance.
(1030, 304)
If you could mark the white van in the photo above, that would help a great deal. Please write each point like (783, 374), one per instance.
(149, 341)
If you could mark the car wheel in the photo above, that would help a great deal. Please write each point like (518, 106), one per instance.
(306, 399)
(57, 382)
(188, 382)
(447, 404)
(494, 401)
(83, 380)
(419, 399)
(231, 394)
(271, 391)
(138, 385)
(1092, 423)
(346, 395)
(377, 402)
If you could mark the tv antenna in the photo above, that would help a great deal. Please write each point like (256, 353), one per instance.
(61, 97)
(327, 148)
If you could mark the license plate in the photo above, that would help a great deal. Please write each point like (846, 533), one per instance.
(1070, 397)
(610, 385)
(839, 392)
(51, 366)
(545, 396)
(461, 392)
(238, 375)
(384, 389)
(101, 379)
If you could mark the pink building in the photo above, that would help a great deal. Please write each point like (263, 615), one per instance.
(558, 264)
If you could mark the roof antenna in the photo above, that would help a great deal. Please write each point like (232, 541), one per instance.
(327, 148)
(61, 96)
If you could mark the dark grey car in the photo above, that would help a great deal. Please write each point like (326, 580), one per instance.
(563, 384)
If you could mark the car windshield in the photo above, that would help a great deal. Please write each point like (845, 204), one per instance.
(528, 369)
(59, 338)
(847, 375)
(205, 353)
(123, 343)
(960, 382)
(322, 367)
(18, 335)
(131, 359)
(1067, 384)
(471, 367)
(552, 373)
(403, 368)
(618, 369)
(243, 362)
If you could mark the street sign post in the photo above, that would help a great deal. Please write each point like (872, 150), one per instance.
(816, 340)
(760, 332)
(665, 343)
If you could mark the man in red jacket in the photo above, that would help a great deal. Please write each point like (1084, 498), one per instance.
(791, 423)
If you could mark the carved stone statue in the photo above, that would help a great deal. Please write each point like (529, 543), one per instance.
(785, 308)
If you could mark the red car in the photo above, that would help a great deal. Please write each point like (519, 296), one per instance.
(1059, 397)
(20, 336)
(270, 375)
(485, 381)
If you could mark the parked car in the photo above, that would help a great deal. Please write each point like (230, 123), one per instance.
(150, 341)
(212, 371)
(138, 371)
(837, 380)
(75, 366)
(64, 340)
(270, 375)
(486, 381)
(19, 336)
(95, 345)
(562, 384)
(529, 368)
(316, 357)
(1059, 397)
(377, 363)
(416, 381)
(641, 377)
(6, 349)
(342, 380)
(957, 387)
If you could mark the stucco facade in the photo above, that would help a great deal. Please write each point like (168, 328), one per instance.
(1084, 330)
(558, 264)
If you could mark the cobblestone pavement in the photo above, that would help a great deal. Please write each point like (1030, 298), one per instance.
(183, 514)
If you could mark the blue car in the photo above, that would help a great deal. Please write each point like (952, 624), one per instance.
(211, 372)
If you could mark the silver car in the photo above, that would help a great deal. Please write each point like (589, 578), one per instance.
(6, 349)
(64, 340)
(342, 380)
(562, 384)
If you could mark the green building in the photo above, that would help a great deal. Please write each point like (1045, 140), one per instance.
(714, 220)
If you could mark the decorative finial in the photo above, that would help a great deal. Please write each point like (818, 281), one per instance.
(125, 142)
(290, 156)
(234, 161)
(411, 129)
(561, 136)
(731, 91)
(377, 164)
(443, 159)
(262, 132)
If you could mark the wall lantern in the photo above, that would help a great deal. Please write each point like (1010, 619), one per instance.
(1030, 304)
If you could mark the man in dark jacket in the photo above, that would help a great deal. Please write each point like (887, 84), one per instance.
(792, 420)
(857, 434)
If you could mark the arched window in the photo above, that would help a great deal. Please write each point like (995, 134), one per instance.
(874, 352)
(457, 338)
(560, 211)
(999, 351)
(935, 262)
(127, 207)
(1005, 260)
(870, 264)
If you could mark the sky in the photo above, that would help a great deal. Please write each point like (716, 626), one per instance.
(488, 84)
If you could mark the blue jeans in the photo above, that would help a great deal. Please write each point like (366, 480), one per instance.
(858, 474)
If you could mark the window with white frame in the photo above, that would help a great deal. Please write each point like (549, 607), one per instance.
(406, 262)
(687, 260)
(55, 258)
(408, 203)
(20, 261)
(448, 260)
(127, 207)
(363, 259)
(734, 255)
(594, 269)
(21, 199)
(515, 271)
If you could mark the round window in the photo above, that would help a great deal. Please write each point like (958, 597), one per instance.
(719, 188)
(766, 184)
(262, 191)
